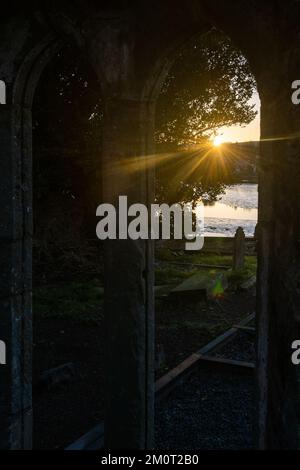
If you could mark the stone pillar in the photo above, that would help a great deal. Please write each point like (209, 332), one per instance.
(15, 283)
(128, 284)
(278, 269)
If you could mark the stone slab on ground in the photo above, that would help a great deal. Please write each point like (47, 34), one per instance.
(251, 282)
(162, 291)
(202, 285)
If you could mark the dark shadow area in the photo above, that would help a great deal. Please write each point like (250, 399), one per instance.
(67, 259)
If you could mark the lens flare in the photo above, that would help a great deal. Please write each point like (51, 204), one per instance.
(218, 140)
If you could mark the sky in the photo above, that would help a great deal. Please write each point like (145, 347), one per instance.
(243, 134)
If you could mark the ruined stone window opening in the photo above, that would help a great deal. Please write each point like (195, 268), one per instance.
(246, 155)
(66, 117)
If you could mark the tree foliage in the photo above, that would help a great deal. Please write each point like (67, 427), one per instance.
(68, 107)
(209, 86)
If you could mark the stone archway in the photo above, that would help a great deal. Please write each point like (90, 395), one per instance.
(128, 46)
(16, 390)
(16, 135)
(277, 318)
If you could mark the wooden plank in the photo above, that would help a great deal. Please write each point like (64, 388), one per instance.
(224, 337)
(245, 328)
(92, 440)
(226, 364)
(169, 381)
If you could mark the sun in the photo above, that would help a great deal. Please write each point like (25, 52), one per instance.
(217, 141)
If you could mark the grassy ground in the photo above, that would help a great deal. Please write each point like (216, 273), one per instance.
(184, 325)
(80, 301)
(169, 269)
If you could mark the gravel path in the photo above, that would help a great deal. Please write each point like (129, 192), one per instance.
(241, 348)
(210, 411)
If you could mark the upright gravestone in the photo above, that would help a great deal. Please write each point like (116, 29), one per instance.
(239, 249)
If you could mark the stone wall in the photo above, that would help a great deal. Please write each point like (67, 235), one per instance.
(131, 49)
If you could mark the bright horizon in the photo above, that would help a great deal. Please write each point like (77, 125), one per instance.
(248, 133)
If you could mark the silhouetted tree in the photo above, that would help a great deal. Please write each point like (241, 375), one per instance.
(208, 87)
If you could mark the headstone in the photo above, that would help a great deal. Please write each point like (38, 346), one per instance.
(239, 249)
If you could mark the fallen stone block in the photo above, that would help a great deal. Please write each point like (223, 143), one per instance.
(201, 286)
(249, 283)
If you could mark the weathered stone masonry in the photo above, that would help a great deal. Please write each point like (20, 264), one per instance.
(131, 45)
